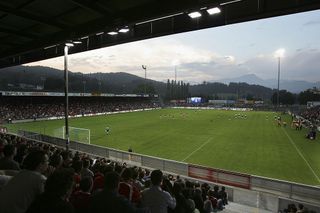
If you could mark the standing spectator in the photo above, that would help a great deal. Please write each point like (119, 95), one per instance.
(155, 198)
(22, 189)
(7, 162)
(223, 195)
(55, 197)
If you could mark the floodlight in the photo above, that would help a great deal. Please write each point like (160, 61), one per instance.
(214, 10)
(49, 47)
(279, 53)
(69, 44)
(112, 33)
(124, 30)
(100, 33)
(230, 2)
(194, 15)
(77, 42)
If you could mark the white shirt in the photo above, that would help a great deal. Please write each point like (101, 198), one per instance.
(157, 200)
(18, 194)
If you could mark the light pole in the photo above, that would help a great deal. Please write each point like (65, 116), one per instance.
(175, 73)
(145, 78)
(279, 54)
(66, 91)
(84, 86)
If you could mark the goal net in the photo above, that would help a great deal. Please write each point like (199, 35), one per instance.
(75, 134)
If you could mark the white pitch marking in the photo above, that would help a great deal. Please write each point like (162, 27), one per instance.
(299, 152)
(205, 143)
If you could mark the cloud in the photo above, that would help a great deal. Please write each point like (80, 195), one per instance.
(193, 64)
(311, 23)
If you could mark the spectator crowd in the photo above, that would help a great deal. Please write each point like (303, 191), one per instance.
(38, 177)
(26, 109)
(312, 115)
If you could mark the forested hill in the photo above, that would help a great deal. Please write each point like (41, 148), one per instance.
(31, 78)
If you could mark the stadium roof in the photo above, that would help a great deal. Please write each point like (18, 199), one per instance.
(33, 30)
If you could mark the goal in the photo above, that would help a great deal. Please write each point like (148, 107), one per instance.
(75, 134)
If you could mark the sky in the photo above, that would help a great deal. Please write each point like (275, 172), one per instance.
(216, 53)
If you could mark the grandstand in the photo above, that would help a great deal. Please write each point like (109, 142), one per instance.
(43, 173)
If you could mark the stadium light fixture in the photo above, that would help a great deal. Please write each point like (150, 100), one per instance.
(100, 33)
(112, 33)
(124, 30)
(279, 53)
(214, 10)
(69, 44)
(45, 48)
(194, 14)
(77, 42)
(230, 2)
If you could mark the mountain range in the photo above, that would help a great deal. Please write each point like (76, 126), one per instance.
(39, 78)
(289, 85)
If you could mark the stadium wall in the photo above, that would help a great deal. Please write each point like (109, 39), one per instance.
(254, 191)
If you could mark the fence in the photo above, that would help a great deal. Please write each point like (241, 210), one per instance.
(246, 189)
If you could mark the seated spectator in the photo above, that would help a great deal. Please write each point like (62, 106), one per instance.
(86, 172)
(80, 199)
(302, 209)
(127, 188)
(155, 198)
(77, 166)
(56, 160)
(182, 205)
(7, 162)
(109, 200)
(56, 193)
(197, 197)
(98, 182)
(216, 195)
(21, 190)
(207, 206)
(192, 206)
(135, 181)
(21, 153)
(291, 208)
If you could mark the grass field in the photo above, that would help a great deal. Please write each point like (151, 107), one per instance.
(253, 145)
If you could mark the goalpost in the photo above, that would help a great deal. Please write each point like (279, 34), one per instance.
(75, 134)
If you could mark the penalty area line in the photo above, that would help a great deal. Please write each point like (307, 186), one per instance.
(301, 155)
(205, 143)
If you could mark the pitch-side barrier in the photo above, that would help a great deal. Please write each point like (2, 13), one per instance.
(260, 192)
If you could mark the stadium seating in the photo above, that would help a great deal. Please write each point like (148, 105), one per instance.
(24, 108)
(189, 195)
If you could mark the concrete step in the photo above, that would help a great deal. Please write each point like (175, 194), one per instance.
(238, 208)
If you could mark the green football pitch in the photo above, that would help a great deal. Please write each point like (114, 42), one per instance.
(251, 143)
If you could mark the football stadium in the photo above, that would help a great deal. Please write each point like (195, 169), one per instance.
(159, 106)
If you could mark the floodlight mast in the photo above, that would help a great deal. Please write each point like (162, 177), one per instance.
(145, 78)
(66, 93)
(279, 54)
(67, 45)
